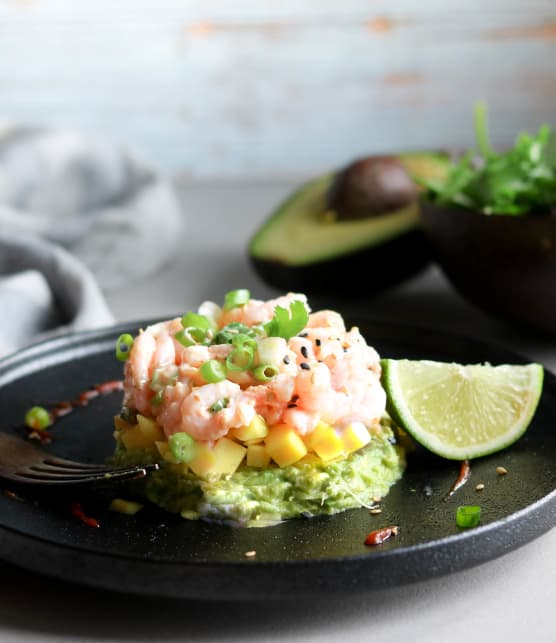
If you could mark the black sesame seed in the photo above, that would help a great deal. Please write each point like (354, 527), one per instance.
(304, 351)
(286, 359)
(303, 334)
(293, 405)
(318, 342)
(305, 366)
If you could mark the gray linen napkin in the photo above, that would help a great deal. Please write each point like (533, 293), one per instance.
(119, 220)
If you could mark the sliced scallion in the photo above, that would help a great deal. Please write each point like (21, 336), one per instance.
(193, 335)
(241, 358)
(182, 447)
(265, 372)
(219, 405)
(37, 418)
(123, 346)
(236, 298)
(196, 321)
(213, 371)
(468, 516)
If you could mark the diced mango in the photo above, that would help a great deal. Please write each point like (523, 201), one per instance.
(229, 455)
(224, 458)
(255, 430)
(122, 506)
(257, 456)
(136, 439)
(121, 424)
(355, 436)
(203, 462)
(325, 442)
(284, 445)
(150, 428)
(164, 450)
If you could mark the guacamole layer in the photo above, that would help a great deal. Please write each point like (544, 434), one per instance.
(258, 497)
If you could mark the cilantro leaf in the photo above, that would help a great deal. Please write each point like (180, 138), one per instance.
(517, 182)
(288, 322)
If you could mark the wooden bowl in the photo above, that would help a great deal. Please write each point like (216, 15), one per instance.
(503, 264)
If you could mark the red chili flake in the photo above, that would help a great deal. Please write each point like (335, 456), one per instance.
(378, 536)
(12, 495)
(463, 477)
(77, 512)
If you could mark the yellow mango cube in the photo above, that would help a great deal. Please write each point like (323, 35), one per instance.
(355, 436)
(203, 462)
(122, 506)
(164, 450)
(255, 430)
(284, 445)
(135, 439)
(257, 456)
(229, 455)
(150, 428)
(121, 424)
(325, 442)
(223, 458)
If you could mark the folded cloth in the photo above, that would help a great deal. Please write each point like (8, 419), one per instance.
(44, 290)
(118, 218)
(98, 201)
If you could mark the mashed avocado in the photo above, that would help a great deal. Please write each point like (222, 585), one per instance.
(253, 496)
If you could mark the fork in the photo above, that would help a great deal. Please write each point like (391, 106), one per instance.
(20, 461)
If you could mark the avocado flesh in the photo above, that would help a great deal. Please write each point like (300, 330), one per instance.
(300, 248)
(299, 232)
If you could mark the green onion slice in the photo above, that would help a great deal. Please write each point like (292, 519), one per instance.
(158, 398)
(193, 335)
(241, 358)
(213, 371)
(265, 372)
(37, 418)
(123, 346)
(219, 405)
(288, 322)
(243, 340)
(236, 298)
(227, 334)
(195, 320)
(468, 516)
(182, 447)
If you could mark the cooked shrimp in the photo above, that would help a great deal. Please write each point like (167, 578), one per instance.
(256, 311)
(196, 418)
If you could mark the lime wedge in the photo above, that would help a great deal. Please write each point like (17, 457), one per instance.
(461, 412)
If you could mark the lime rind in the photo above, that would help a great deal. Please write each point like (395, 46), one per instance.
(462, 411)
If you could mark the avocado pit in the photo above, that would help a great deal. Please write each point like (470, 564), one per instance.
(371, 186)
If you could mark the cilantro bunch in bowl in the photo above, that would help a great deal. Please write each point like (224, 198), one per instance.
(516, 182)
(491, 226)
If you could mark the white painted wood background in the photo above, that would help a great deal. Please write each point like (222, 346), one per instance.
(243, 87)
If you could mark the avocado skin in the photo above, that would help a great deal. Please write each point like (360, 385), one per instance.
(368, 271)
(364, 271)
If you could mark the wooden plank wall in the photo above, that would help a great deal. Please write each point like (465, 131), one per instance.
(243, 87)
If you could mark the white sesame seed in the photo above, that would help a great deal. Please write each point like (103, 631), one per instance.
(250, 554)
(480, 486)
(501, 471)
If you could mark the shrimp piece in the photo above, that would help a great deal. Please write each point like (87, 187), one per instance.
(271, 400)
(257, 312)
(327, 319)
(196, 418)
(139, 365)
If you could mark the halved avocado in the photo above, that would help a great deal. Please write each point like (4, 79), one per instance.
(304, 247)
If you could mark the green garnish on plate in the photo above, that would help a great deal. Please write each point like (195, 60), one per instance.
(519, 181)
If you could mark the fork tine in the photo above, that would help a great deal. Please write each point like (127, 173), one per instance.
(38, 477)
(48, 467)
(62, 462)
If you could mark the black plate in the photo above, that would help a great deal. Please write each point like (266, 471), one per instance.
(158, 553)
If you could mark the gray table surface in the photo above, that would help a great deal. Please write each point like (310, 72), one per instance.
(508, 599)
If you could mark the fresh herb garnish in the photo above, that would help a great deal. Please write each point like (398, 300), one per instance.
(288, 322)
(517, 182)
